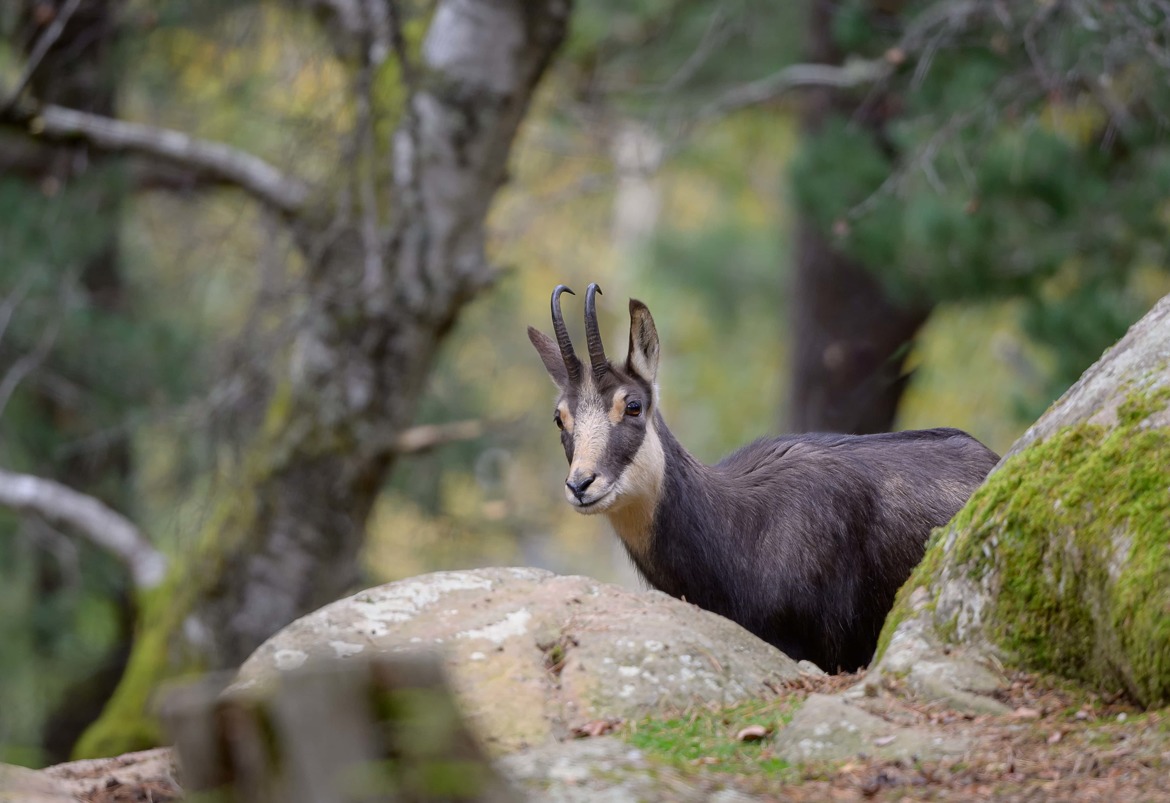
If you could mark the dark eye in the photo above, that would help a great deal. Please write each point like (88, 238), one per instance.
(634, 408)
(557, 419)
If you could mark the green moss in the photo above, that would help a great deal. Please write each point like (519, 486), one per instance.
(160, 652)
(238, 517)
(706, 737)
(127, 723)
(923, 574)
(1075, 531)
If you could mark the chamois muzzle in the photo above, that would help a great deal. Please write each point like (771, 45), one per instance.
(572, 364)
(578, 484)
(597, 358)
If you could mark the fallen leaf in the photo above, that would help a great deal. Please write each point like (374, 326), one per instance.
(1055, 737)
(598, 727)
(882, 741)
(752, 733)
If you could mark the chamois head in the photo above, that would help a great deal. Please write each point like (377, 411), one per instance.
(606, 413)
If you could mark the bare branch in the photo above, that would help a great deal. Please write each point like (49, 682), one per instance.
(428, 436)
(853, 73)
(222, 162)
(12, 301)
(51, 35)
(103, 526)
(27, 363)
(714, 37)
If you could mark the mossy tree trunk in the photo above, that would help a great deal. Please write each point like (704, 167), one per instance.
(1060, 563)
(385, 286)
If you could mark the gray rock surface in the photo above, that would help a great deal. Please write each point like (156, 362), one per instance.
(606, 770)
(833, 727)
(532, 654)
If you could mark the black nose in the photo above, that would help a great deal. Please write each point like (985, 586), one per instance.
(578, 487)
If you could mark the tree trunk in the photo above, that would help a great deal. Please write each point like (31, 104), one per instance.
(850, 338)
(284, 537)
(1058, 564)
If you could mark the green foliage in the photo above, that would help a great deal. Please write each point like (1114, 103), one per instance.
(59, 622)
(851, 26)
(98, 366)
(1002, 176)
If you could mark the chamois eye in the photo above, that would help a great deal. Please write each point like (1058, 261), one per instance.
(634, 408)
(559, 422)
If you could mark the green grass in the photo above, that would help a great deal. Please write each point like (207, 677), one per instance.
(704, 737)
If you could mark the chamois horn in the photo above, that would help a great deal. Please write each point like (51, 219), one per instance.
(597, 357)
(572, 364)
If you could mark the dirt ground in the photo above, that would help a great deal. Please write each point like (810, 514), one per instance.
(1059, 743)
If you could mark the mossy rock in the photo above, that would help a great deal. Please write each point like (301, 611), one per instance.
(1061, 562)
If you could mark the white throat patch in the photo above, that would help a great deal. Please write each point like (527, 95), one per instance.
(638, 491)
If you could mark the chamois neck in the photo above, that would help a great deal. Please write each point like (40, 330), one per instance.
(678, 460)
(661, 462)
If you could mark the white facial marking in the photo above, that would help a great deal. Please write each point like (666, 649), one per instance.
(590, 435)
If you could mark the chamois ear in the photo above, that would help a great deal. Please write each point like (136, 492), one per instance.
(643, 357)
(550, 355)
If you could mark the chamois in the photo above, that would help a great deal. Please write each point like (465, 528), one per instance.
(801, 539)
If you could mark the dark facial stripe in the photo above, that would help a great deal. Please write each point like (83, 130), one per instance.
(624, 441)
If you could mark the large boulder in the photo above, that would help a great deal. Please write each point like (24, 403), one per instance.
(1060, 562)
(533, 655)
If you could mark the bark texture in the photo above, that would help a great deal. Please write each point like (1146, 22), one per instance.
(1061, 562)
(285, 535)
(849, 337)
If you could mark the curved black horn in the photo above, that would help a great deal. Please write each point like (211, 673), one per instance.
(572, 364)
(593, 333)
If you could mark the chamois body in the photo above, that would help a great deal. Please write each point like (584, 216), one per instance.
(804, 540)
(801, 539)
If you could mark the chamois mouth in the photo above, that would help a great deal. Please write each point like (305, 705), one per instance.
(595, 505)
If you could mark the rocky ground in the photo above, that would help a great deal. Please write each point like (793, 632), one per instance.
(1056, 743)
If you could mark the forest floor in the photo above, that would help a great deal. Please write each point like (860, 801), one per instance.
(1058, 743)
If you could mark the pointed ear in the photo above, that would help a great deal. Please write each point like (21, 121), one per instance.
(643, 357)
(550, 355)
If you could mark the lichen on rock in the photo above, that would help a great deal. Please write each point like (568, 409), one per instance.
(532, 654)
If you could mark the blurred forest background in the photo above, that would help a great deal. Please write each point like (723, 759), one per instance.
(852, 215)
